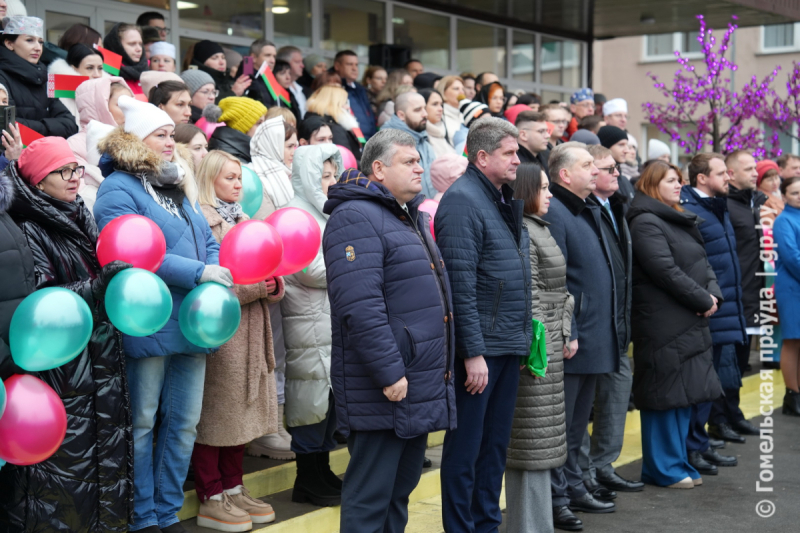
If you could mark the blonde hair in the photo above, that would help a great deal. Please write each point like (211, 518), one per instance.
(446, 82)
(207, 173)
(328, 100)
(284, 112)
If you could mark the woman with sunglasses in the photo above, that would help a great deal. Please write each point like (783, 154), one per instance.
(93, 467)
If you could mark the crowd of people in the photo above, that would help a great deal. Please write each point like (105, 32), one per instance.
(549, 216)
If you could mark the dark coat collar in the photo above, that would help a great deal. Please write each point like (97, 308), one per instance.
(572, 202)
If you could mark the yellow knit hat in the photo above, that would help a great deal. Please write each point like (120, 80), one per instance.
(241, 113)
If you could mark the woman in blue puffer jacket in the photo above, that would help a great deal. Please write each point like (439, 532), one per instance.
(145, 175)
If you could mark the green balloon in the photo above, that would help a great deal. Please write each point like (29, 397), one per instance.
(50, 327)
(209, 315)
(138, 302)
(251, 192)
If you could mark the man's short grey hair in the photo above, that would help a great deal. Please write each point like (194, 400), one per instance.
(286, 53)
(382, 146)
(487, 135)
(563, 156)
(259, 45)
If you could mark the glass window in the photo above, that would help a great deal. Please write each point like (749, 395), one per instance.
(481, 48)
(352, 24)
(549, 96)
(660, 45)
(779, 36)
(690, 43)
(242, 18)
(292, 22)
(523, 57)
(427, 35)
(551, 60)
(571, 64)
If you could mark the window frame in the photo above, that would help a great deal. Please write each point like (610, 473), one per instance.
(677, 45)
(779, 49)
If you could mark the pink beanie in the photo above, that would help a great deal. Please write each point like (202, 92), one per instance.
(42, 157)
(513, 112)
(447, 169)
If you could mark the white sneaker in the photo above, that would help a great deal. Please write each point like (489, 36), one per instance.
(223, 515)
(685, 483)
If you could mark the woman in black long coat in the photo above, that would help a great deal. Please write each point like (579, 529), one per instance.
(674, 292)
(87, 485)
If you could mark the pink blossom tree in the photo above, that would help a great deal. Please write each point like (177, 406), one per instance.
(703, 110)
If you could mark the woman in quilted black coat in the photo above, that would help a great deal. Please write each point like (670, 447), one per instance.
(87, 485)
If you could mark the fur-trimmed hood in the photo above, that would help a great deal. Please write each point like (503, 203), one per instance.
(127, 153)
(60, 66)
(6, 191)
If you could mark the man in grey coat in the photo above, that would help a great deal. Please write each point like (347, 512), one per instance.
(576, 225)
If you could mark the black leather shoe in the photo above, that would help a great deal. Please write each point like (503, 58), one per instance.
(174, 528)
(427, 463)
(726, 433)
(791, 403)
(715, 458)
(150, 529)
(701, 465)
(619, 484)
(716, 444)
(564, 519)
(599, 491)
(743, 427)
(588, 504)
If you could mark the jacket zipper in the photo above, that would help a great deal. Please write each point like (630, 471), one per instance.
(525, 329)
(496, 304)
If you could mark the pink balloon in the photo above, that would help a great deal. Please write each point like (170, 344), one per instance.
(301, 238)
(348, 158)
(252, 251)
(34, 423)
(430, 206)
(134, 239)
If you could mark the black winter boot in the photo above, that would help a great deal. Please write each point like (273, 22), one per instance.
(324, 463)
(310, 485)
(791, 403)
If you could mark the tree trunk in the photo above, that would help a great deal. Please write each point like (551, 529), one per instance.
(715, 135)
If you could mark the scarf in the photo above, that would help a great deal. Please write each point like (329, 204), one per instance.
(171, 175)
(229, 211)
(266, 152)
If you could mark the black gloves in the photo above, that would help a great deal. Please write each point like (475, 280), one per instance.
(100, 283)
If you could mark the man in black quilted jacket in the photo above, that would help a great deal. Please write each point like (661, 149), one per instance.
(484, 244)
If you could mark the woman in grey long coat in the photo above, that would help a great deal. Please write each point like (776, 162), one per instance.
(538, 434)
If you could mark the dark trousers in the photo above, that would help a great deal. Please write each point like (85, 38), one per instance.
(566, 481)
(216, 469)
(318, 437)
(726, 410)
(474, 455)
(382, 472)
(697, 439)
(743, 354)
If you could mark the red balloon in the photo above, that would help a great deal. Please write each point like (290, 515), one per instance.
(430, 207)
(348, 159)
(34, 423)
(134, 239)
(301, 238)
(252, 251)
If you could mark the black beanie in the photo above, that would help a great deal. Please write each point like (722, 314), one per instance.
(205, 49)
(611, 135)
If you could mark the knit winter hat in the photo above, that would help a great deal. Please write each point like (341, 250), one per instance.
(763, 166)
(611, 135)
(95, 132)
(205, 49)
(585, 137)
(471, 110)
(42, 157)
(656, 149)
(151, 78)
(241, 113)
(141, 118)
(513, 112)
(195, 78)
(311, 61)
(15, 7)
(162, 48)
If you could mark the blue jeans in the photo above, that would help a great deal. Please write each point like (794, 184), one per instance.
(474, 454)
(171, 387)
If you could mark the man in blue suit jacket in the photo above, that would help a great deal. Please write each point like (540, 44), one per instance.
(346, 66)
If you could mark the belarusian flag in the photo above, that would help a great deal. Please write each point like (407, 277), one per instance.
(112, 62)
(277, 92)
(359, 135)
(63, 85)
(28, 135)
(465, 151)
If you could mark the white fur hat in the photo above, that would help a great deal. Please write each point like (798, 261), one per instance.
(615, 105)
(162, 48)
(141, 118)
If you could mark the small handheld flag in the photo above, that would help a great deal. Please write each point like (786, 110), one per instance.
(27, 135)
(359, 135)
(278, 93)
(112, 62)
(63, 85)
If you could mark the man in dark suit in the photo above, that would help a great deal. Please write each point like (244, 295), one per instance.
(576, 225)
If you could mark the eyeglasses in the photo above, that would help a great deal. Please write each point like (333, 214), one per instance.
(209, 92)
(68, 173)
(611, 170)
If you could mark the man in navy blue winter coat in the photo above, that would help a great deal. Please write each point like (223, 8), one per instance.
(485, 247)
(392, 325)
(707, 197)
(346, 65)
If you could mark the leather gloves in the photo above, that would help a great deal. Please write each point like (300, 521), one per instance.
(100, 283)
